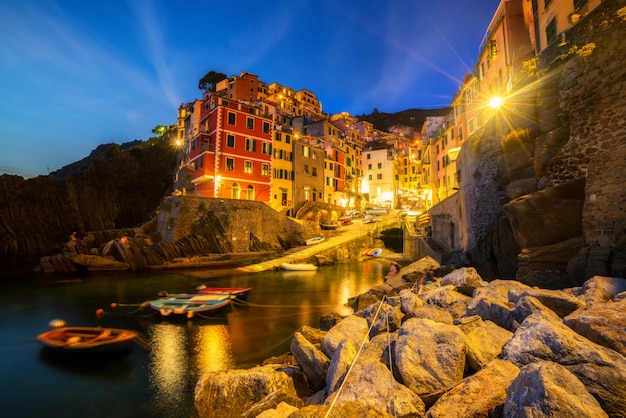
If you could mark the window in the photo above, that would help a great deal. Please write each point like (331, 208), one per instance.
(306, 169)
(551, 31)
(370, 177)
(230, 164)
(314, 171)
(380, 165)
(230, 141)
(369, 156)
(235, 191)
(232, 118)
(279, 136)
(265, 170)
(306, 151)
(288, 139)
(471, 126)
(250, 192)
(493, 50)
(266, 148)
(266, 127)
(379, 176)
(369, 166)
(250, 123)
(247, 167)
(250, 145)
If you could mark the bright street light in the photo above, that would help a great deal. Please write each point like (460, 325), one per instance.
(495, 102)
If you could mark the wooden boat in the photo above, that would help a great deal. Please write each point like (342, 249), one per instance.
(89, 340)
(238, 292)
(298, 267)
(329, 227)
(374, 252)
(190, 304)
(345, 220)
(314, 240)
(376, 212)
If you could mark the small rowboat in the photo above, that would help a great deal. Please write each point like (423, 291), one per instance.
(238, 292)
(330, 227)
(89, 340)
(314, 240)
(298, 267)
(345, 220)
(374, 252)
(190, 304)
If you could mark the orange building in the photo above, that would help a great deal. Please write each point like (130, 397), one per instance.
(232, 154)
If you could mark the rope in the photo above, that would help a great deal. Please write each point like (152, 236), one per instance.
(358, 353)
(256, 305)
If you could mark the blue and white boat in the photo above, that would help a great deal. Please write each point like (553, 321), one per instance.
(190, 304)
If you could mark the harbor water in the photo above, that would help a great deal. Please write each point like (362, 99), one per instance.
(157, 378)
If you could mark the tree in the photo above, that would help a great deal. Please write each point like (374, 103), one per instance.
(159, 130)
(210, 80)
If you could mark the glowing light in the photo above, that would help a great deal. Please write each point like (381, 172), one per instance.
(496, 102)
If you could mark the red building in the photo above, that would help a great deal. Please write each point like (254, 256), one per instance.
(232, 154)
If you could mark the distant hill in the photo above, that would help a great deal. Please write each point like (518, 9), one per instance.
(413, 118)
(101, 151)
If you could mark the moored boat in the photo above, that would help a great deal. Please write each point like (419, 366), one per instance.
(89, 340)
(190, 304)
(298, 266)
(345, 220)
(314, 240)
(329, 227)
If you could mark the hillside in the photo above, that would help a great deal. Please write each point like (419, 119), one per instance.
(413, 118)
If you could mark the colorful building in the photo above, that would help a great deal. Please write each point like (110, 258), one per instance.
(232, 153)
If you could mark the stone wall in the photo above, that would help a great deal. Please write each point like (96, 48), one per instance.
(240, 223)
(566, 128)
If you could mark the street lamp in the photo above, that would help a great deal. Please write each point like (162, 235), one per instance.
(496, 102)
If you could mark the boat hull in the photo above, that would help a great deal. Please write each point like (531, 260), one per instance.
(314, 240)
(89, 340)
(298, 267)
(189, 305)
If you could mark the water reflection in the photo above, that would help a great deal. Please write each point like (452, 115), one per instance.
(183, 352)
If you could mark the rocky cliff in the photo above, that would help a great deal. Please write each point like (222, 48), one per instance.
(549, 168)
(119, 190)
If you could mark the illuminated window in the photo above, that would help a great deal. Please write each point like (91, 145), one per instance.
(266, 148)
(265, 170)
(250, 192)
(247, 167)
(230, 164)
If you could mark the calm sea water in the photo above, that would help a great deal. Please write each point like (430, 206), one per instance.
(159, 381)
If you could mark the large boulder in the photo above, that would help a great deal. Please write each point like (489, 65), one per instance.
(429, 355)
(230, 393)
(603, 323)
(482, 394)
(547, 389)
(484, 341)
(312, 360)
(371, 383)
(465, 279)
(560, 302)
(353, 328)
(543, 337)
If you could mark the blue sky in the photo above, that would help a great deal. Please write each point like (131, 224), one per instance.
(77, 74)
